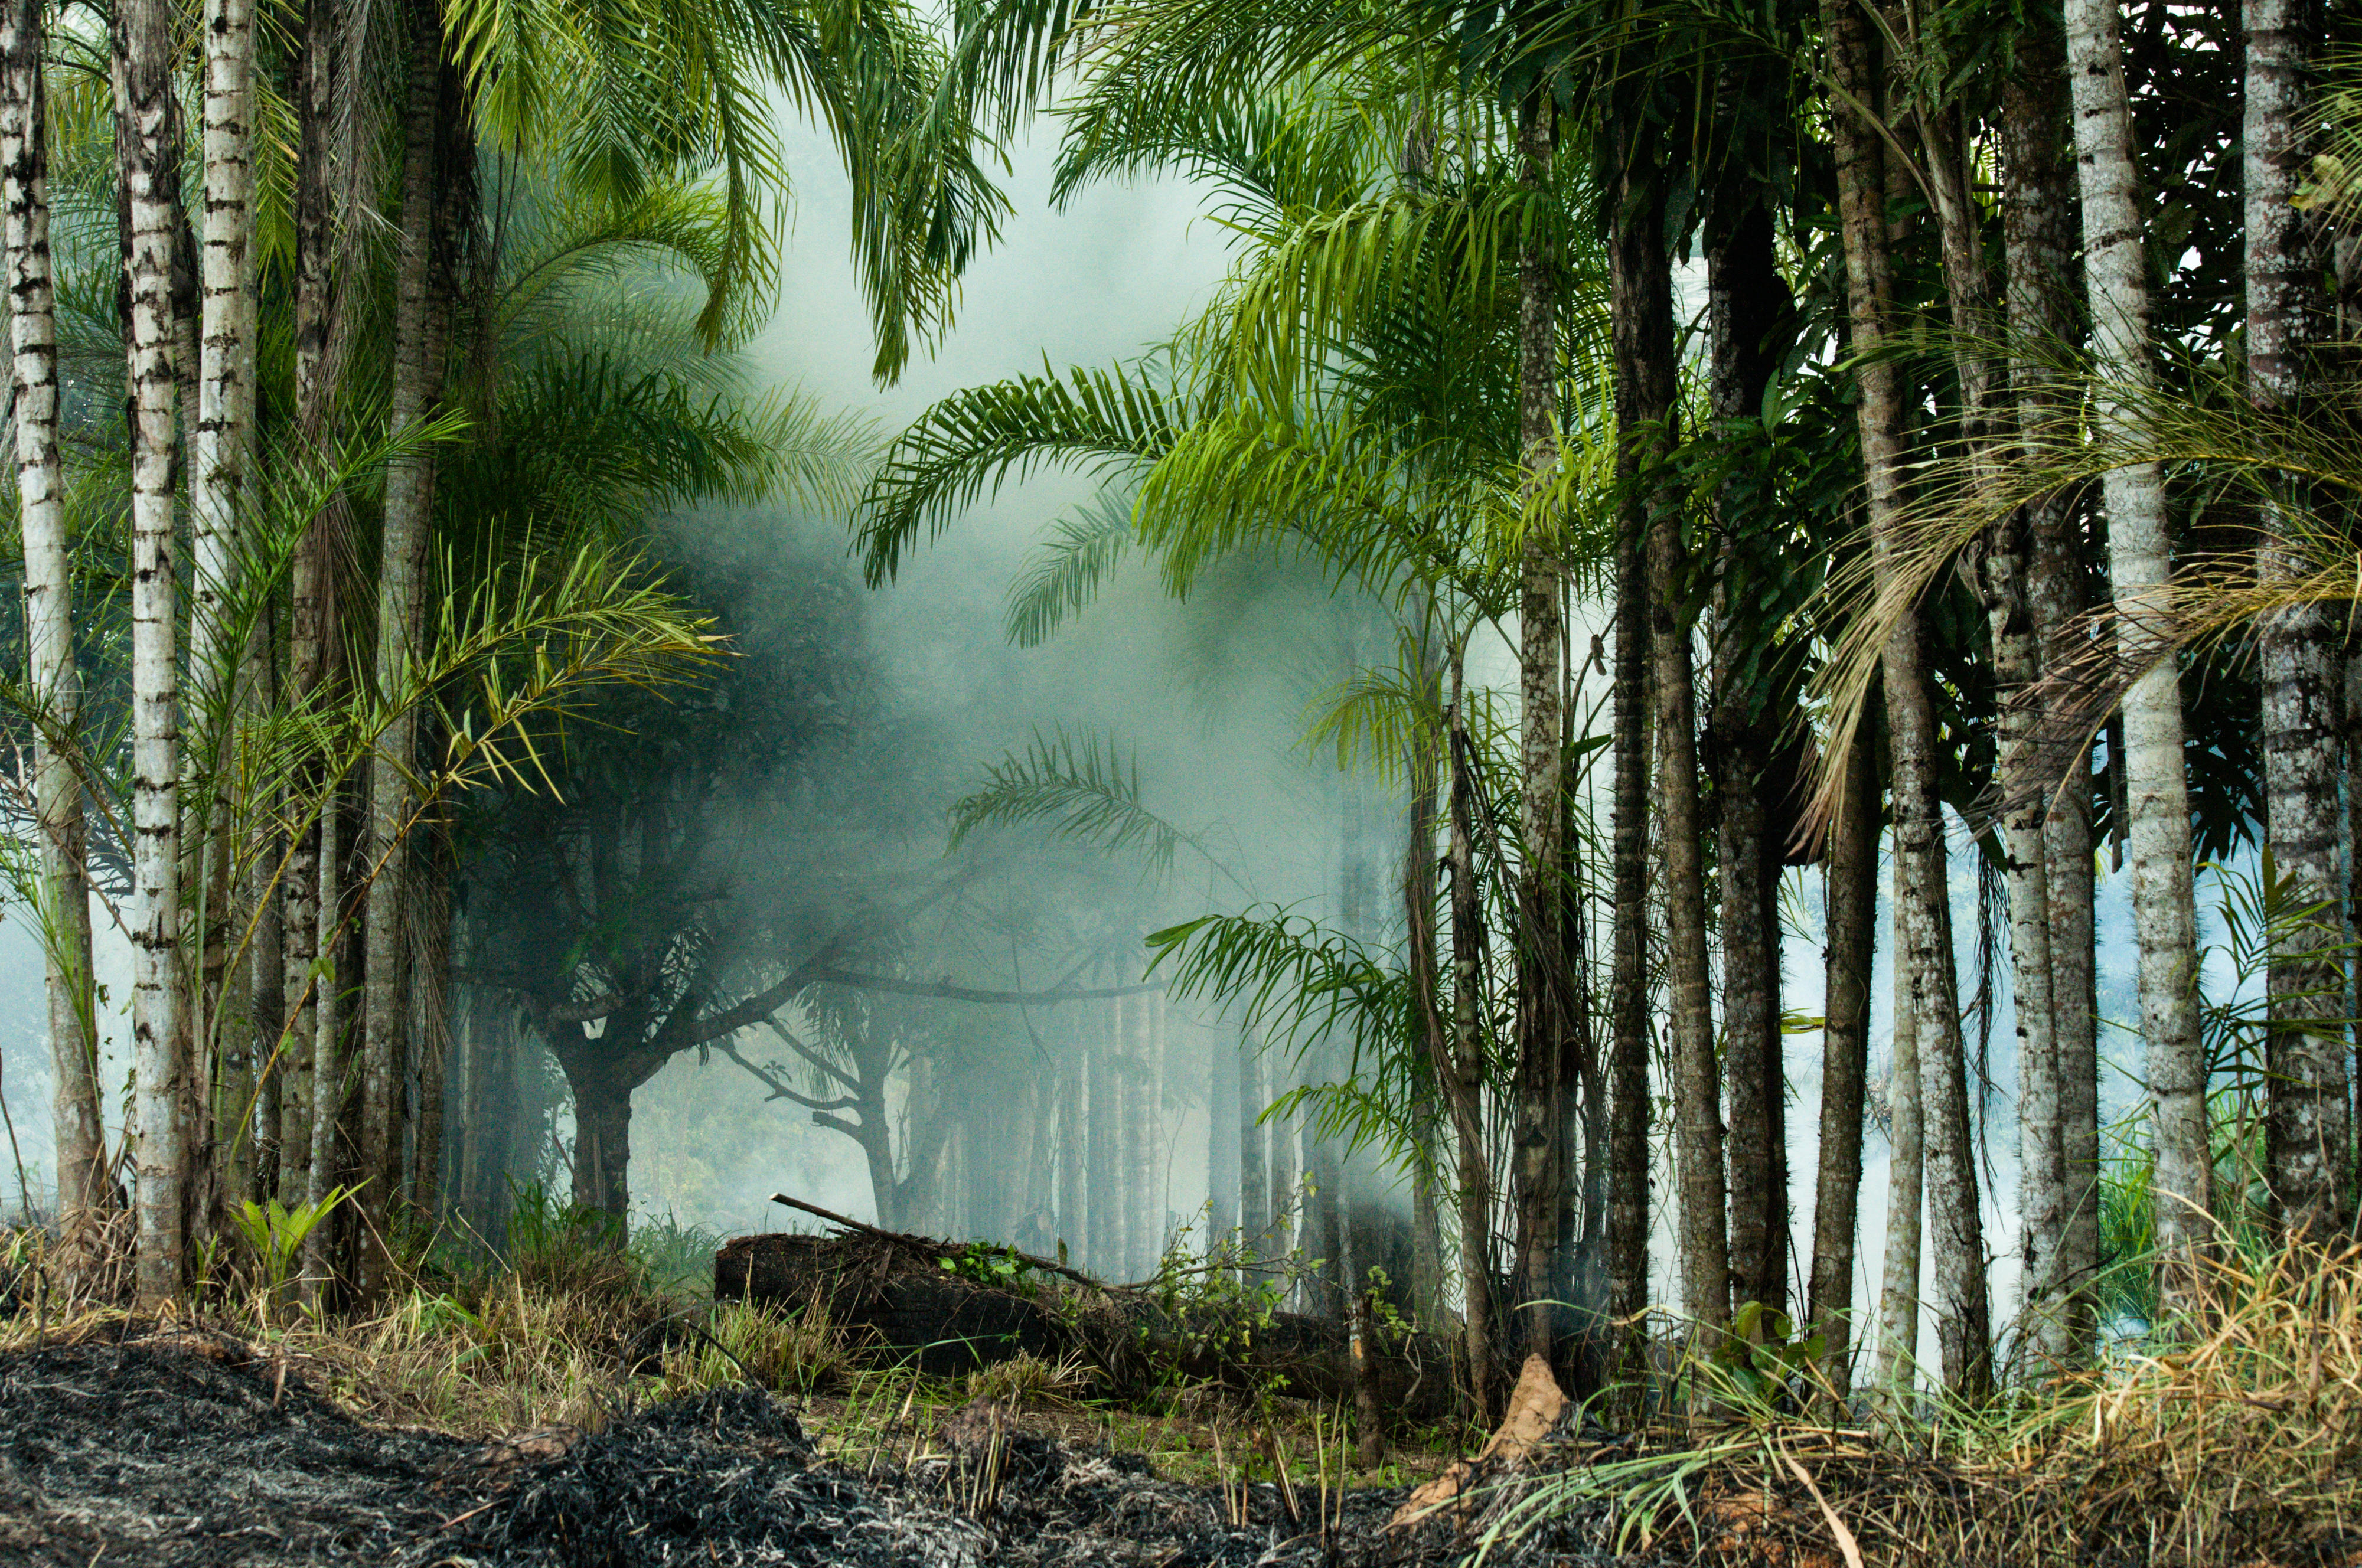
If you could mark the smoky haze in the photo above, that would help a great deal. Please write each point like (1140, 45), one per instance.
(1208, 700)
(1205, 700)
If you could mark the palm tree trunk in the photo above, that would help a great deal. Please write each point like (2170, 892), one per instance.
(1641, 306)
(2306, 1065)
(332, 1067)
(1419, 891)
(1964, 1313)
(84, 1195)
(1955, 1220)
(1923, 953)
(1898, 1296)
(150, 168)
(1465, 1084)
(1627, 1136)
(266, 957)
(2140, 571)
(409, 500)
(2003, 568)
(311, 620)
(602, 1082)
(1538, 1124)
(1860, 160)
(2039, 225)
(219, 440)
(1745, 301)
(1850, 915)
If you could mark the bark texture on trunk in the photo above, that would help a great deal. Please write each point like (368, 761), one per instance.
(312, 619)
(2039, 231)
(1898, 1293)
(1954, 1208)
(1641, 305)
(430, 1013)
(1745, 301)
(1429, 1090)
(401, 564)
(1627, 1136)
(2305, 1064)
(1956, 1242)
(1862, 180)
(1464, 1083)
(1537, 1117)
(602, 1082)
(2140, 569)
(219, 642)
(1850, 918)
(2039, 224)
(84, 1193)
(2031, 136)
(148, 153)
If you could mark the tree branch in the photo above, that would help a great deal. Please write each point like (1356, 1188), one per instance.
(812, 1055)
(584, 1012)
(947, 991)
(779, 1091)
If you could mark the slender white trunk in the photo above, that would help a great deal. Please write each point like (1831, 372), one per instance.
(56, 681)
(2140, 568)
(147, 152)
(219, 441)
(2306, 1059)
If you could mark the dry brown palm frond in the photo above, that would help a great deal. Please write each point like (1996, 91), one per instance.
(2303, 473)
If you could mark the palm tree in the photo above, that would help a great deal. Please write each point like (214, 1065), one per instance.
(2309, 1121)
(220, 435)
(148, 148)
(1325, 404)
(84, 1192)
(2140, 571)
(1927, 1028)
(2057, 1096)
(421, 327)
(920, 207)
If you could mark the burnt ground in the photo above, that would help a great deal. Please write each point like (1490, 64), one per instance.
(196, 1450)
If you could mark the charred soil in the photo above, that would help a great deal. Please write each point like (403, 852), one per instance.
(198, 1449)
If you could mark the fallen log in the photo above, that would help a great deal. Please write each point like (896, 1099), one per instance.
(901, 1303)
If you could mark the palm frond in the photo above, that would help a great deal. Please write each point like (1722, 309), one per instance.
(1105, 423)
(1288, 978)
(1084, 790)
(1084, 549)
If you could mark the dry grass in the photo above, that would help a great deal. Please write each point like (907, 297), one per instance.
(2238, 1445)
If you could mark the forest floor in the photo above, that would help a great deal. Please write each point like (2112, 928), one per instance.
(124, 1443)
(579, 1418)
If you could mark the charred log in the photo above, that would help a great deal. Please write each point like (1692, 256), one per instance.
(914, 1300)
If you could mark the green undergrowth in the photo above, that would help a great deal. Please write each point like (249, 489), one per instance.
(569, 1318)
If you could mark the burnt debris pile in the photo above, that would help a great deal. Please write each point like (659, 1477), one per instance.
(198, 1451)
(945, 1309)
(195, 1450)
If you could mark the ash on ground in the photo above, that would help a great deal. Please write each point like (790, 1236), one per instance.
(198, 1451)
